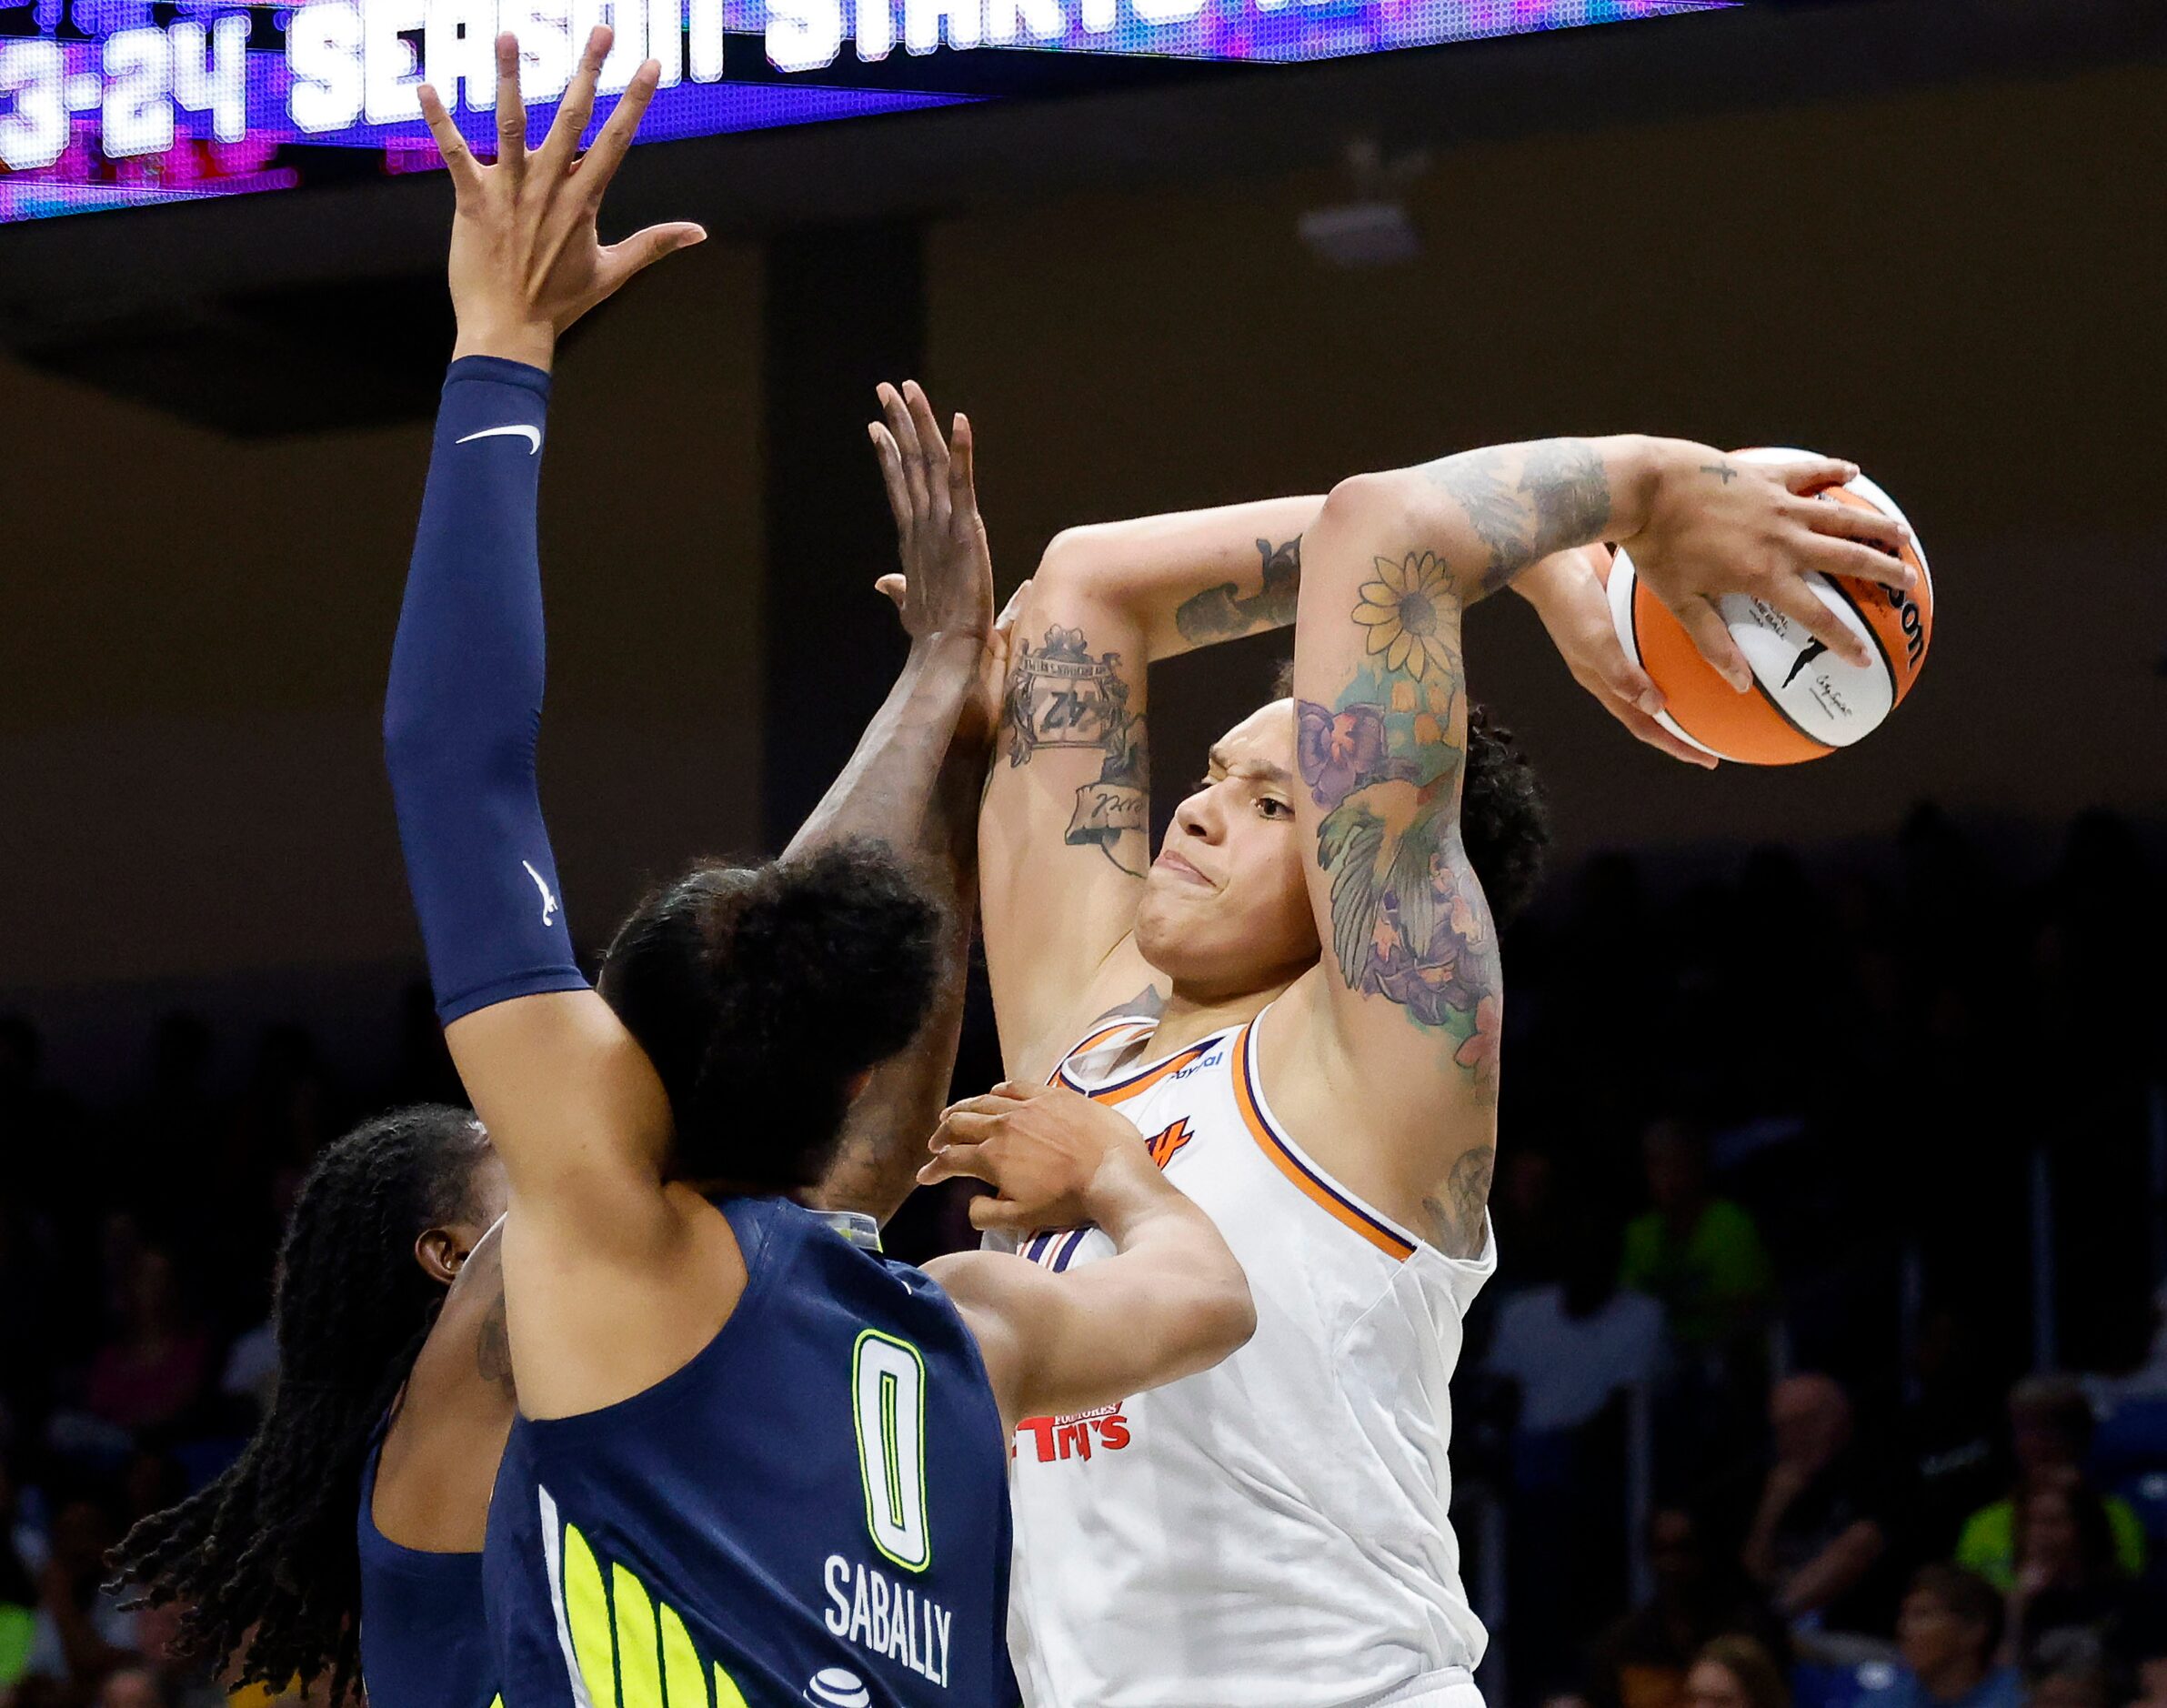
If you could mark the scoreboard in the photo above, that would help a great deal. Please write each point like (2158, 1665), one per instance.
(111, 103)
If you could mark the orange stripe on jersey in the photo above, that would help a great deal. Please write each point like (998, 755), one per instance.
(1104, 1035)
(1316, 1190)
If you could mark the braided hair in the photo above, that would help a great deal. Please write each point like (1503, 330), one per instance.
(263, 1556)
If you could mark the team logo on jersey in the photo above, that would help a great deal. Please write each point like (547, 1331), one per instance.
(1054, 1438)
(833, 1687)
(1163, 1145)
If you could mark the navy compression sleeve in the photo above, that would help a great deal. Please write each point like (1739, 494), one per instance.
(463, 704)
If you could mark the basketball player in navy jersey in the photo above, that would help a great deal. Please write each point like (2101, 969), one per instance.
(1299, 1005)
(752, 1462)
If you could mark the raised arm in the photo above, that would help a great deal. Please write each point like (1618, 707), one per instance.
(571, 1101)
(1405, 1009)
(915, 780)
(1170, 1301)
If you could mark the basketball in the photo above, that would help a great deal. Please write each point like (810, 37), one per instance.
(1807, 701)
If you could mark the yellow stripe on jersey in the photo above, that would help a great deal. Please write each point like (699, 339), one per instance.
(586, 1612)
(633, 1651)
(638, 1658)
(684, 1679)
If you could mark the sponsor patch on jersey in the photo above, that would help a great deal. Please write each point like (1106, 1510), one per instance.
(1048, 1439)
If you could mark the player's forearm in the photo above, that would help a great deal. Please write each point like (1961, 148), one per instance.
(887, 790)
(884, 1138)
(463, 702)
(1493, 515)
(1194, 577)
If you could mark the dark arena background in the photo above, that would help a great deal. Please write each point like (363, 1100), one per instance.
(1832, 1194)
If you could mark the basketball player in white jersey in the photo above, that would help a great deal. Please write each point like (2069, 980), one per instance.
(1297, 1004)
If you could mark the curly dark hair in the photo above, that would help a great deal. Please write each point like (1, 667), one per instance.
(760, 992)
(263, 1556)
(1504, 822)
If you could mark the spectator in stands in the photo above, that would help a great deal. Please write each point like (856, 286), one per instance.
(82, 1633)
(1641, 1661)
(1699, 1255)
(1946, 1438)
(133, 1687)
(2077, 1682)
(2070, 1595)
(1820, 1526)
(1949, 1633)
(1569, 1352)
(18, 1587)
(1571, 1347)
(2049, 1433)
(154, 1370)
(1736, 1673)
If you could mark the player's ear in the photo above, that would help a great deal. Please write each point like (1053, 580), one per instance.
(442, 1253)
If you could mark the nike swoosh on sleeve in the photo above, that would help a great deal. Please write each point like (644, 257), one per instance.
(532, 434)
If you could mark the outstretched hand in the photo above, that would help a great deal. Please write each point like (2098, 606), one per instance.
(1047, 1152)
(526, 259)
(947, 584)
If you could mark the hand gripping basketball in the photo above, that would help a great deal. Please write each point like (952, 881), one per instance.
(1718, 525)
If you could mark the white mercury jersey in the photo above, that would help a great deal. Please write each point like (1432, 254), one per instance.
(1272, 1532)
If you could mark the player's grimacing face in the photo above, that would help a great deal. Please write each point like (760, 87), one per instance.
(1225, 908)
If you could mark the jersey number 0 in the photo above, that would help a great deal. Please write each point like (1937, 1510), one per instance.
(888, 1382)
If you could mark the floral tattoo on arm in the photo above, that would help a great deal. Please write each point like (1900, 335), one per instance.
(1409, 921)
(1060, 696)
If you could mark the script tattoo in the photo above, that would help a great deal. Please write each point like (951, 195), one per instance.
(1409, 921)
(1558, 497)
(1060, 696)
(1456, 1219)
(1220, 613)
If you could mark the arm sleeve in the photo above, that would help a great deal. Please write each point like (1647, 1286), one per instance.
(462, 708)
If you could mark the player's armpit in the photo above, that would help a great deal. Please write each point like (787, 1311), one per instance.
(1064, 832)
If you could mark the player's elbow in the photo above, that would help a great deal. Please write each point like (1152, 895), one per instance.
(1220, 1315)
(1084, 565)
(1370, 514)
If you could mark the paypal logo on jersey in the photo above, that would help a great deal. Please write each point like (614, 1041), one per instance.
(1212, 1061)
(832, 1687)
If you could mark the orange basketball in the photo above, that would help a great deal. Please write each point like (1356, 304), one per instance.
(1806, 702)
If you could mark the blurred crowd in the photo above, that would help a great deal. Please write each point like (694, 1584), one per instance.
(1825, 1364)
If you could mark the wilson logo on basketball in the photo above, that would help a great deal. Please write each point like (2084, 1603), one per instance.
(1163, 1145)
(1052, 1438)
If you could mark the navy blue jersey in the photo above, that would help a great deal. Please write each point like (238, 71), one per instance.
(814, 1508)
(424, 1641)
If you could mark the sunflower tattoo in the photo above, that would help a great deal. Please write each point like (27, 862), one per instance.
(1401, 610)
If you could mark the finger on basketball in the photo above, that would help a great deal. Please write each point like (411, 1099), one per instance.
(1646, 729)
(511, 108)
(616, 139)
(1797, 601)
(458, 159)
(579, 105)
(1811, 475)
(1711, 636)
(1861, 562)
(1861, 522)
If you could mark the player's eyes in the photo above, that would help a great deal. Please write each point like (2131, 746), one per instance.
(1273, 807)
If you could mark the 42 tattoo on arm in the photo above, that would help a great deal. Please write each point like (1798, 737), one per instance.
(1060, 696)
